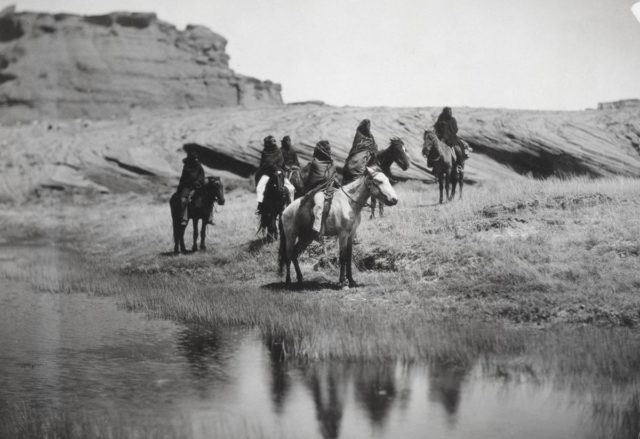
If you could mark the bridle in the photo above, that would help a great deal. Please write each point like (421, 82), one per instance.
(365, 204)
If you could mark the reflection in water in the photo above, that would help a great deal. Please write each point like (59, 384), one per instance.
(376, 390)
(71, 353)
(327, 384)
(280, 381)
(445, 385)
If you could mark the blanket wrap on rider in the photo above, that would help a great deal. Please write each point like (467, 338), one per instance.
(363, 153)
(270, 161)
(321, 169)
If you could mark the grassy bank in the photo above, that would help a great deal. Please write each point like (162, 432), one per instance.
(525, 254)
(530, 277)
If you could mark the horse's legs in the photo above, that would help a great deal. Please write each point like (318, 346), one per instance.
(343, 260)
(373, 208)
(183, 248)
(454, 182)
(176, 237)
(460, 178)
(352, 283)
(440, 183)
(203, 234)
(299, 248)
(381, 210)
(447, 179)
(194, 247)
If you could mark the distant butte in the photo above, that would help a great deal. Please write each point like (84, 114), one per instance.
(100, 66)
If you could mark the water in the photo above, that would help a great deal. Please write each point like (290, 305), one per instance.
(72, 353)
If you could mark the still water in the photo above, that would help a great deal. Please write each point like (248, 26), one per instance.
(75, 353)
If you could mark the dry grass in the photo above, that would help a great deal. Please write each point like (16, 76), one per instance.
(541, 253)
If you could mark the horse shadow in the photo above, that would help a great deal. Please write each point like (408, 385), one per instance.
(258, 243)
(307, 285)
(171, 254)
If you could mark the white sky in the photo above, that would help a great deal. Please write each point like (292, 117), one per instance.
(538, 54)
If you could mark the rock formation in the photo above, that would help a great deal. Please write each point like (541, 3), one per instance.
(619, 105)
(62, 65)
(144, 153)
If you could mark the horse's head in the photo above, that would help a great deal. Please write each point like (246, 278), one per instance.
(400, 156)
(215, 188)
(429, 141)
(380, 186)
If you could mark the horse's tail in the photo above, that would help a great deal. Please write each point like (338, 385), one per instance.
(282, 253)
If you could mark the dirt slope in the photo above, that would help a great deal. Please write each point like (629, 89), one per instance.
(143, 152)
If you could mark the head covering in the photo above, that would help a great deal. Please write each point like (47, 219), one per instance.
(271, 158)
(286, 142)
(365, 128)
(192, 157)
(445, 115)
(322, 151)
(270, 143)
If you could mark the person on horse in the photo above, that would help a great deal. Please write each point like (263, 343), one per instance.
(321, 182)
(446, 128)
(271, 161)
(192, 178)
(288, 153)
(363, 153)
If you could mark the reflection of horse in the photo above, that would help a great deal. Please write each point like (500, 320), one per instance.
(342, 220)
(395, 153)
(446, 378)
(375, 386)
(327, 383)
(199, 208)
(442, 158)
(276, 198)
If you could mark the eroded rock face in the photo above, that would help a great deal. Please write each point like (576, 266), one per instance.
(100, 66)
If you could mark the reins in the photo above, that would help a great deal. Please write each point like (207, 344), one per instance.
(354, 201)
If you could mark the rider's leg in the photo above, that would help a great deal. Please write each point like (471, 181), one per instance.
(318, 207)
(184, 203)
(260, 188)
(290, 189)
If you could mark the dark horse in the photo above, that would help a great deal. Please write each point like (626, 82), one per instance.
(199, 207)
(276, 198)
(395, 153)
(294, 174)
(443, 159)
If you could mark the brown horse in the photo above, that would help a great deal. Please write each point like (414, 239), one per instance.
(395, 153)
(199, 208)
(443, 159)
(342, 221)
(276, 198)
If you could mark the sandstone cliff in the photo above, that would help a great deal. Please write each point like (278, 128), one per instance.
(143, 153)
(61, 65)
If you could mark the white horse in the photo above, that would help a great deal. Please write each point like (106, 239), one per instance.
(342, 221)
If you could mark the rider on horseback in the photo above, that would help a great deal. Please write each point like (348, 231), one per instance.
(271, 162)
(192, 178)
(363, 153)
(288, 153)
(321, 179)
(446, 129)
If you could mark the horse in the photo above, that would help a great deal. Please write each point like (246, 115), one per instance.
(444, 163)
(342, 221)
(294, 174)
(199, 208)
(276, 198)
(395, 153)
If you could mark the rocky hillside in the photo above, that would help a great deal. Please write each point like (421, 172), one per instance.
(143, 153)
(67, 66)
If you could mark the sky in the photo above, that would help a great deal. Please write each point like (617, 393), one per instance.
(530, 54)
